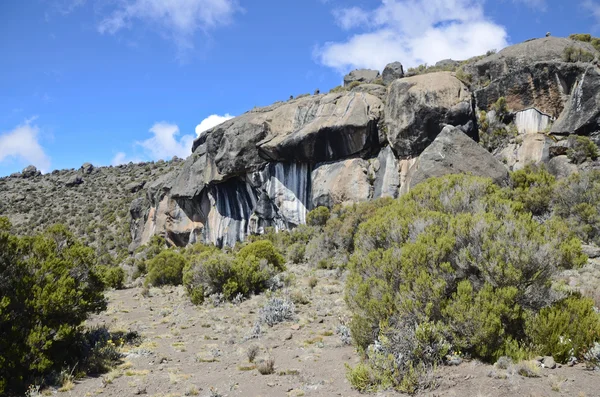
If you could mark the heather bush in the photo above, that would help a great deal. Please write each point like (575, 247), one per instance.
(318, 216)
(247, 272)
(569, 328)
(581, 148)
(455, 264)
(112, 276)
(577, 201)
(165, 268)
(533, 186)
(48, 287)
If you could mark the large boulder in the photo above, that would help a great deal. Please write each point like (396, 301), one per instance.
(361, 76)
(341, 182)
(526, 149)
(30, 171)
(418, 107)
(87, 168)
(453, 152)
(306, 130)
(516, 57)
(581, 114)
(391, 72)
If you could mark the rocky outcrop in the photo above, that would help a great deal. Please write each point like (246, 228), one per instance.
(391, 72)
(30, 171)
(361, 76)
(581, 114)
(268, 167)
(341, 182)
(418, 107)
(447, 154)
(526, 149)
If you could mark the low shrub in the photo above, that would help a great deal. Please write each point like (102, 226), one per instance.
(49, 288)
(581, 148)
(585, 37)
(112, 276)
(533, 186)
(165, 268)
(575, 54)
(318, 216)
(277, 310)
(218, 272)
(455, 264)
(569, 328)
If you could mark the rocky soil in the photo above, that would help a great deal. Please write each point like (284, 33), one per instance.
(188, 350)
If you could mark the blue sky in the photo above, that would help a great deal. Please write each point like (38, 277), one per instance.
(112, 81)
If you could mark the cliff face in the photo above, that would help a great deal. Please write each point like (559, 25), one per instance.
(270, 166)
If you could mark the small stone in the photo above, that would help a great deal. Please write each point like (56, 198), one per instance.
(295, 327)
(549, 363)
(287, 336)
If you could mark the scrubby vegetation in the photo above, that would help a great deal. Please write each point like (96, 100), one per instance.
(587, 38)
(575, 54)
(49, 284)
(581, 148)
(455, 265)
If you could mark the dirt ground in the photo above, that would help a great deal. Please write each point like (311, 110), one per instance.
(189, 350)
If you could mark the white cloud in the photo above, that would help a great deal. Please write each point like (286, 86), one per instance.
(412, 32)
(22, 144)
(593, 7)
(348, 18)
(164, 144)
(180, 19)
(123, 158)
(211, 121)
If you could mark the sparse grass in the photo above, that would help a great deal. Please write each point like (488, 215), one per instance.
(314, 340)
(528, 369)
(242, 367)
(112, 375)
(252, 352)
(312, 282)
(192, 391)
(67, 385)
(267, 367)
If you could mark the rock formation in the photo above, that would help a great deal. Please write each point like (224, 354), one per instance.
(271, 165)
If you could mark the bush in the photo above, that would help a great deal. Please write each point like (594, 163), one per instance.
(574, 54)
(455, 264)
(248, 272)
(581, 149)
(585, 37)
(49, 287)
(277, 310)
(112, 276)
(577, 200)
(318, 216)
(165, 268)
(566, 329)
(533, 186)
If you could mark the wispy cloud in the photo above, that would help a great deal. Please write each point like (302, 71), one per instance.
(123, 158)
(593, 7)
(211, 121)
(412, 32)
(22, 144)
(165, 142)
(179, 20)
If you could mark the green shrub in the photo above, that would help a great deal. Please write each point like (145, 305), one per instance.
(112, 276)
(577, 200)
(533, 186)
(248, 272)
(165, 268)
(262, 250)
(454, 264)
(575, 54)
(49, 287)
(585, 37)
(581, 149)
(318, 216)
(566, 329)
(354, 84)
